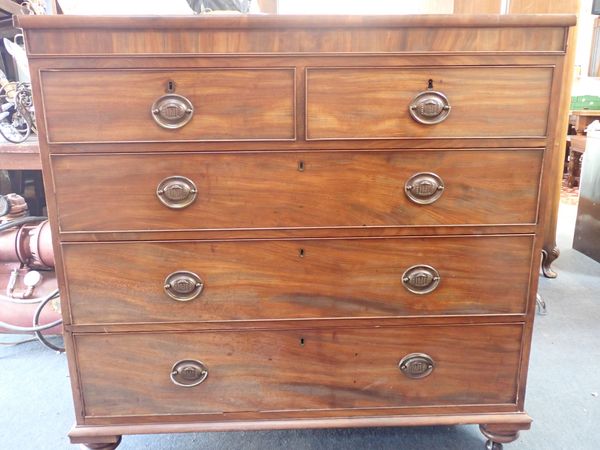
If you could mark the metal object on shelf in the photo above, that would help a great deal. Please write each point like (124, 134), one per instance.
(17, 114)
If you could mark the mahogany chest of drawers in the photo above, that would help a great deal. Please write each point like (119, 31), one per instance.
(295, 222)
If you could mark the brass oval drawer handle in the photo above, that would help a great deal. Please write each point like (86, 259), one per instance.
(424, 188)
(189, 373)
(416, 365)
(176, 192)
(183, 286)
(421, 279)
(172, 111)
(430, 107)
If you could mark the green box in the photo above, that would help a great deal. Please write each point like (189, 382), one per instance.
(579, 102)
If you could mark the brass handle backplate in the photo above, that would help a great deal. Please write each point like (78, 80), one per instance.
(430, 107)
(424, 188)
(176, 192)
(172, 111)
(183, 286)
(189, 373)
(421, 279)
(416, 365)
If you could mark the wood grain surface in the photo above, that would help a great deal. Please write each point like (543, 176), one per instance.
(308, 34)
(104, 24)
(266, 190)
(298, 370)
(112, 283)
(300, 142)
(382, 40)
(372, 103)
(115, 105)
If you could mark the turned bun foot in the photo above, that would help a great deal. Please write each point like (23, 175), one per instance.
(101, 445)
(498, 434)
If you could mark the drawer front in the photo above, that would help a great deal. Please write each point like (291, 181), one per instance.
(285, 190)
(345, 368)
(116, 105)
(125, 282)
(373, 103)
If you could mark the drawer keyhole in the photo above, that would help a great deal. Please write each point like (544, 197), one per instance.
(302, 342)
(301, 166)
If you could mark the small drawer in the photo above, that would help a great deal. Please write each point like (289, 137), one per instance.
(247, 280)
(169, 105)
(324, 369)
(296, 190)
(447, 102)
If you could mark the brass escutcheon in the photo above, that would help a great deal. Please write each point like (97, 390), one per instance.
(424, 188)
(189, 373)
(416, 365)
(421, 279)
(176, 192)
(429, 107)
(183, 286)
(172, 111)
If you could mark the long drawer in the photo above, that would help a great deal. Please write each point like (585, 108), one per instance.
(373, 103)
(344, 368)
(296, 190)
(138, 282)
(118, 105)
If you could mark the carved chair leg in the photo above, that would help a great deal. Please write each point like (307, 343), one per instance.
(102, 445)
(548, 257)
(499, 434)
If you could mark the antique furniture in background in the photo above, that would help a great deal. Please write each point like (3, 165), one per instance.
(294, 222)
(575, 149)
(579, 120)
(550, 249)
(587, 227)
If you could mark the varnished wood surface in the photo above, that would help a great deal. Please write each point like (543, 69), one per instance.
(296, 233)
(425, 144)
(224, 62)
(296, 279)
(321, 417)
(106, 23)
(372, 103)
(264, 190)
(296, 324)
(511, 42)
(329, 39)
(85, 433)
(274, 371)
(243, 104)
